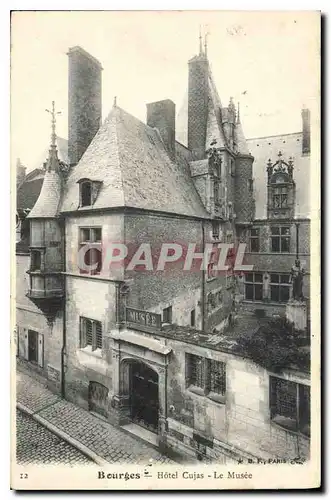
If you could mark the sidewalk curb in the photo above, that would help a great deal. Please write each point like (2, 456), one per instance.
(63, 435)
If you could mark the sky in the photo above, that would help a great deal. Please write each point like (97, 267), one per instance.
(269, 61)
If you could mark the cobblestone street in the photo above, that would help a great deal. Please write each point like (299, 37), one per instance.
(36, 445)
(108, 442)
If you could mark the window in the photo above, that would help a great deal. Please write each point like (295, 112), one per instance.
(195, 370)
(192, 322)
(280, 239)
(250, 185)
(215, 229)
(217, 373)
(290, 405)
(216, 191)
(206, 377)
(232, 168)
(93, 238)
(254, 240)
(90, 333)
(88, 191)
(279, 287)
(229, 237)
(279, 197)
(211, 302)
(212, 265)
(253, 286)
(167, 315)
(35, 264)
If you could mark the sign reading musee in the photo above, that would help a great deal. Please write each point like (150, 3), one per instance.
(143, 318)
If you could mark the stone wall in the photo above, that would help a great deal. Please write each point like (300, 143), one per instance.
(29, 317)
(95, 300)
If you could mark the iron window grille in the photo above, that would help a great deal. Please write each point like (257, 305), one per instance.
(280, 287)
(290, 405)
(253, 286)
(90, 333)
(217, 377)
(280, 239)
(206, 377)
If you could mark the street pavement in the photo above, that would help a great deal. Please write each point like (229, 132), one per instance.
(36, 445)
(76, 425)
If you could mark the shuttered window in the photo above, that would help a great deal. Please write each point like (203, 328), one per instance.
(90, 333)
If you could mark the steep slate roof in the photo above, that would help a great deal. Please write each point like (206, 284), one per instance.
(263, 148)
(214, 129)
(240, 139)
(131, 161)
(50, 195)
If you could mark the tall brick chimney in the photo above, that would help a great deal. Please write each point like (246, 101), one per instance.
(162, 115)
(305, 113)
(197, 105)
(84, 102)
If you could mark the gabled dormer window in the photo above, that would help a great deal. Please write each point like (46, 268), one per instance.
(88, 192)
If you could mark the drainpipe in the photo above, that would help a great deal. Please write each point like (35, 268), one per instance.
(64, 337)
(203, 280)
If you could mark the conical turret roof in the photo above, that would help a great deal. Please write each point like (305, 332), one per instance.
(49, 198)
(50, 195)
(240, 139)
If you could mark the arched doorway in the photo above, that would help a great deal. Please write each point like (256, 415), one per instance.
(144, 395)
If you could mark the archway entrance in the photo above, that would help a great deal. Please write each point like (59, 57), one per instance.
(144, 392)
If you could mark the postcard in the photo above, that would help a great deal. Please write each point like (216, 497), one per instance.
(166, 253)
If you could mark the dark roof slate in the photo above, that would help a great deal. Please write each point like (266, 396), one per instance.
(130, 159)
(27, 194)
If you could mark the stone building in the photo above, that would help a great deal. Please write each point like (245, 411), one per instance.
(149, 347)
(281, 229)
